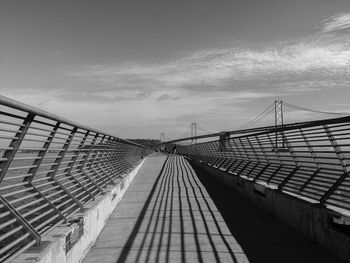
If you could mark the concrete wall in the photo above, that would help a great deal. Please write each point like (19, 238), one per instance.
(313, 220)
(94, 216)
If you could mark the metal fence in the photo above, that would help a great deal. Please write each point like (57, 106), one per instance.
(50, 168)
(308, 160)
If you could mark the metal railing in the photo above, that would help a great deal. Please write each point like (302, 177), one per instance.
(308, 160)
(50, 168)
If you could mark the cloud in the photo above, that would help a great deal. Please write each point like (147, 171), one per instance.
(211, 86)
(105, 96)
(319, 62)
(167, 97)
(220, 69)
(337, 22)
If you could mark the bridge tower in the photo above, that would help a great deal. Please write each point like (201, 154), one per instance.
(194, 132)
(278, 113)
(278, 121)
(162, 139)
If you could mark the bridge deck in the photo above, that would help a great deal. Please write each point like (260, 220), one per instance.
(172, 213)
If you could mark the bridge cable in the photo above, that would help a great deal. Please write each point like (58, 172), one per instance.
(315, 111)
(262, 115)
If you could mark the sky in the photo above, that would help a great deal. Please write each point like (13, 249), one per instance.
(138, 68)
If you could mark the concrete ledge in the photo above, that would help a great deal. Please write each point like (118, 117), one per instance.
(313, 220)
(70, 242)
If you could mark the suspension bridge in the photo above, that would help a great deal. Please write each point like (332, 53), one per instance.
(274, 189)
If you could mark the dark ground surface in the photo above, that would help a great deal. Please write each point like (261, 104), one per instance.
(262, 236)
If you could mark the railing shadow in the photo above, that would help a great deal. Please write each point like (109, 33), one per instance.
(262, 236)
(178, 222)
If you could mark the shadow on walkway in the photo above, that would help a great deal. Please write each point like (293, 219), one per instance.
(178, 213)
(262, 236)
(180, 223)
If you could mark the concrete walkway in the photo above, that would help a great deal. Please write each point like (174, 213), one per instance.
(167, 215)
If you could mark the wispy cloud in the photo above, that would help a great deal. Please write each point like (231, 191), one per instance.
(220, 69)
(337, 22)
(105, 96)
(167, 97)
(208, 85)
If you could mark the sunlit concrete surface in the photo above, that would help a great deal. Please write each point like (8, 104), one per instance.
(172, 213)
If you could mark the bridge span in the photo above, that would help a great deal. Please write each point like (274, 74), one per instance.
(272, 194)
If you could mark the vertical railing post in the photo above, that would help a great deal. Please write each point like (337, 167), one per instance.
(97, 157)
(253, 149)
(73, 160)
(262, 148)
(244, 150)
(277, 154)
(114, 156)
(206, 152)
(237, 149)
(14, 145)
(266, 159)
(342, 162)
(275, 150)
(295, 159)
(27, 226)
(85, 163)
(231, 147)
(314, 158)
(104, 155)
(336, 148)
(41, 155)
(310, 148)
(37, 162)
(57, 164)
(107, 162)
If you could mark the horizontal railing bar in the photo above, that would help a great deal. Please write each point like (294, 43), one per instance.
(32, 110)
(11, 123)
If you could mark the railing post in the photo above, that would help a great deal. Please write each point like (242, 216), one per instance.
(230, 148)
(115, 153)
(274, 173)
(253, 149)
(261, 148)
(244, 150)
(292, 153)
(103, 153)
(69, 169)
(336, 148)
(83, 164)
(261, 172)
(342, 162)
(57, 164)
(100, 150)
(265, 156)
(310, 148)
(37, 162)
(15, 144)
(238, 150)
(31, 230)
(314, 158)
(274, 149)
(112, 156)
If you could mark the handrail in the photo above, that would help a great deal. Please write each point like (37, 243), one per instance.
(50, 168)
(5, 101)
(309, 160)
